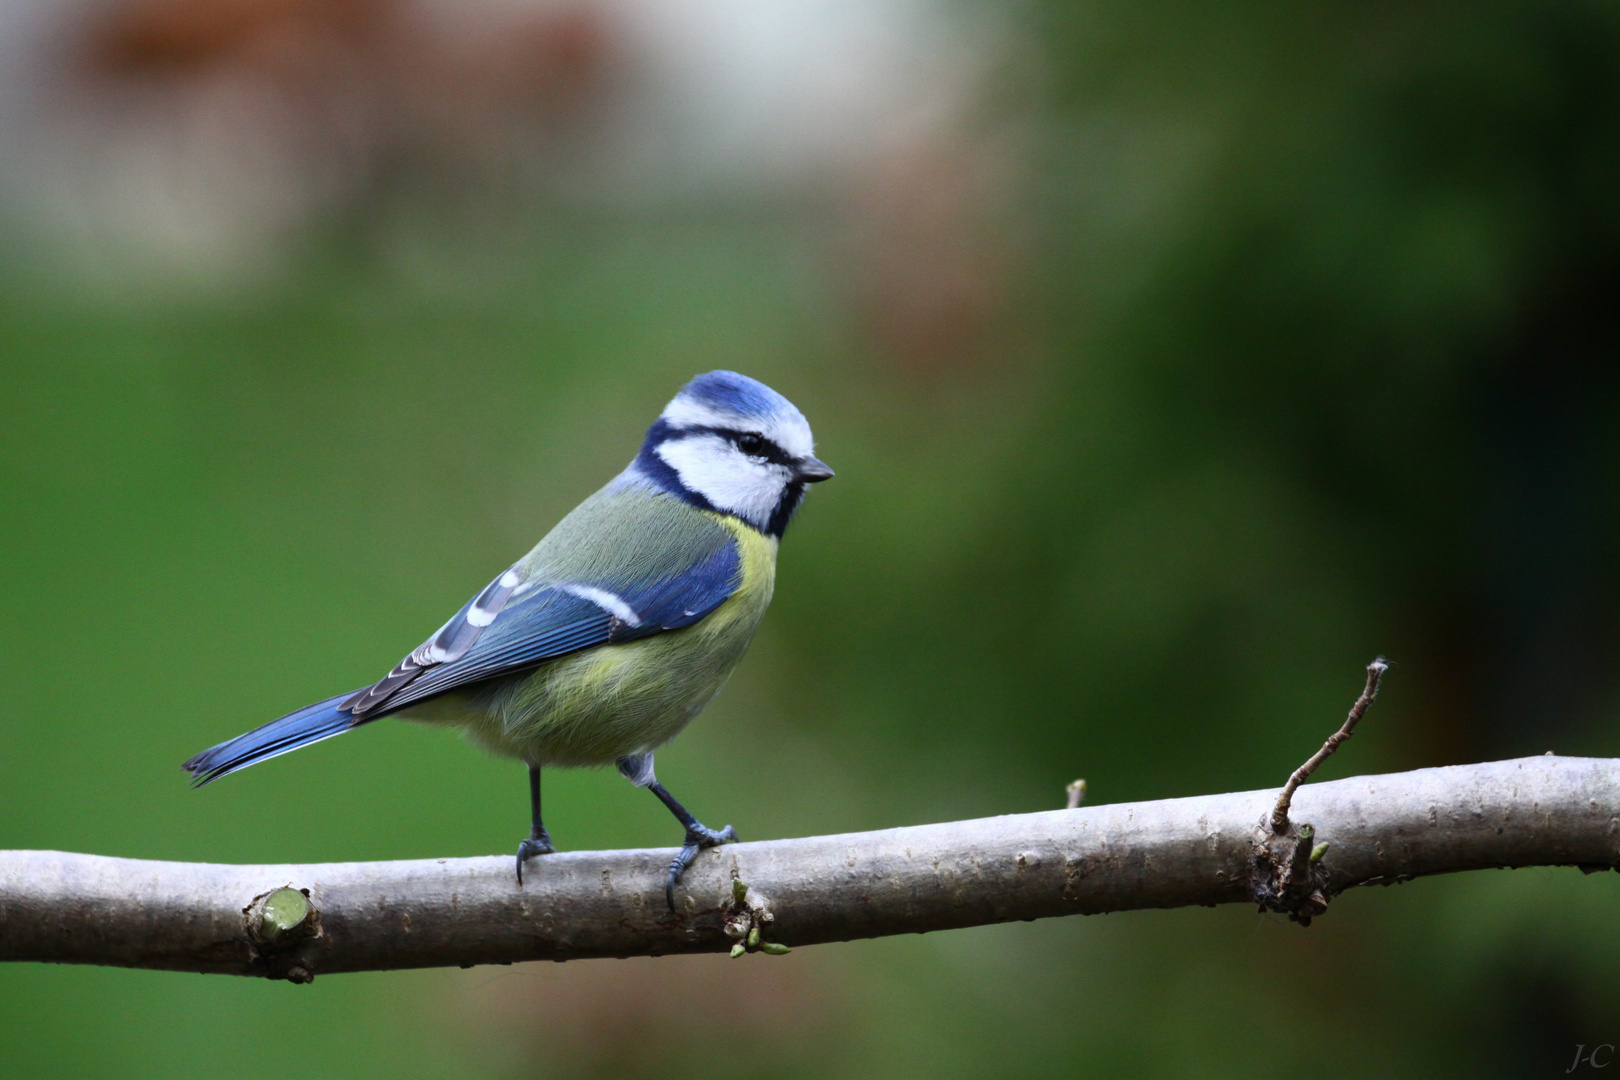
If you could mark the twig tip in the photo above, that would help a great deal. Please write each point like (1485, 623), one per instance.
(1375, 675)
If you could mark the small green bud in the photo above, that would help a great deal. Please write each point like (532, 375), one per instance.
(739, 891)
(282, 911)
(774, 948)
(753, 937)
(1318, 851)
(737, 950)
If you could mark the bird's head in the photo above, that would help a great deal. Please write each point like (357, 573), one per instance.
(732, 444)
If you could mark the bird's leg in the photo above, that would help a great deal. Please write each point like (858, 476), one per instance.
(539, 842)
(638, 769)
(698, 837)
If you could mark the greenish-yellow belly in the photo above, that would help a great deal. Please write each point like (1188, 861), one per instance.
(593, 706)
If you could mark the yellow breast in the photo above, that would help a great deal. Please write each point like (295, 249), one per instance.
(753, 595)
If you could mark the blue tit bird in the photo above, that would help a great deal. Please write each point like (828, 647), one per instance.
(605, 641)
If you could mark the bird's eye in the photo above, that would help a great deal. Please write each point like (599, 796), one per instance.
(753, 445)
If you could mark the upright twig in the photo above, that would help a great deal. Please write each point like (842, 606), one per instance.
(1279, 813)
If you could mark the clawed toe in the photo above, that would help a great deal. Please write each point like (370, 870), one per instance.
(540, 845)
(698, 837)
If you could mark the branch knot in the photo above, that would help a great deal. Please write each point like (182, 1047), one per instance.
(283, 931)
(747, 916)
(1287, 873)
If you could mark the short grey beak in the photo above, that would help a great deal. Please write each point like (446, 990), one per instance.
(813, 471)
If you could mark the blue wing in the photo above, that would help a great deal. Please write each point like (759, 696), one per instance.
(556, 619)
(509, 626)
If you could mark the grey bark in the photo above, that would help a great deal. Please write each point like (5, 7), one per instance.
(1208, 850)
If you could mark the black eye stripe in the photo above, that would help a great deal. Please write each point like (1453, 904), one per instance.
(756, 445)
(766, 448)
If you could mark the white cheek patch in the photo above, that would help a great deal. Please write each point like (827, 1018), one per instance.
(728, 478)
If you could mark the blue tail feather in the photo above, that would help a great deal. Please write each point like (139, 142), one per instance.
(310, 724)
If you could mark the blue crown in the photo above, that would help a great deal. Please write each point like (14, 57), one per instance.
(737, 394)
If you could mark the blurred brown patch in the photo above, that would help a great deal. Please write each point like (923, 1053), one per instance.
(663, 1015)
(933, 258)
(386, 80)
(175, 36)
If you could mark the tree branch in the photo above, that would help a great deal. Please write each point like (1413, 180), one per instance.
(369, 916)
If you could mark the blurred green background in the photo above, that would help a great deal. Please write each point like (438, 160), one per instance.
(1179, 361)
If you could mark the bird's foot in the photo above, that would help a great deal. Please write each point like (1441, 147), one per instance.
(698, 837)
(534, 845)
